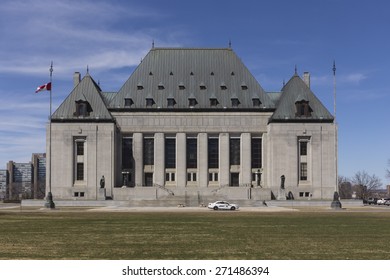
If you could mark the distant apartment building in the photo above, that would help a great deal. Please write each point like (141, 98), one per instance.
(27, 180)
(3, 183)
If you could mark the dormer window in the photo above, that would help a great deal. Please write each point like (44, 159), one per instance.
(149, 102)
(213, 102)
(128, 102)
(192, 102)
(244, 87)
(256, 102)
(140, 87)
(83, 109)
(235, 102)
(171, 102)
(160, 86)
(302, 109)
(181, 86)
(202, 86)
(223, 86)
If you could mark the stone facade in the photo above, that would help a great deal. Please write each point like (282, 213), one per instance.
(154, 151)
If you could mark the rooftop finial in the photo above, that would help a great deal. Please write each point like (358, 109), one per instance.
(230, 44)
(153, 44)
(87, 69)
(296, 70)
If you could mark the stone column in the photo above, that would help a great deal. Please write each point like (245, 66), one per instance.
(224, 164)
(246, 160)
(203, 160)
(138, 144)
(181, 164)
(159, 159)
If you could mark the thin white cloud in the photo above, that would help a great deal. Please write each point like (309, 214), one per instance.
(355, 78)
(73, 34)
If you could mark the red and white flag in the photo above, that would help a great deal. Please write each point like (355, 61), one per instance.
(43, 87)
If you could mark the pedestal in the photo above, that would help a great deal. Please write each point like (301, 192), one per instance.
(102, 194)
(281, 194)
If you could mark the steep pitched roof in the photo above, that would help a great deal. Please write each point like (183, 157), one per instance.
(182, 73)
(294, 91)
(86, 91)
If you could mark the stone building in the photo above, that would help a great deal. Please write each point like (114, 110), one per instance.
(192, 124)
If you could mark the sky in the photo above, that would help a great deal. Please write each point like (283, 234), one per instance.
(271, 37)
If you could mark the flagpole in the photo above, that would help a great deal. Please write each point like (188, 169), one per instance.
(49, 200)
(335, 125)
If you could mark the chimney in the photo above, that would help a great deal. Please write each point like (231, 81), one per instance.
(76, 78)
(306, 78)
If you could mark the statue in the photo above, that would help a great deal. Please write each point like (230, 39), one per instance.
(336, 204)
(102, 182)
(282, 179)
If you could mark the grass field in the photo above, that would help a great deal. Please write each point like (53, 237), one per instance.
(194, 235)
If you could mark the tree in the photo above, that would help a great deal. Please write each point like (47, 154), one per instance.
(365, 184)
(388, 170)
(345, 187)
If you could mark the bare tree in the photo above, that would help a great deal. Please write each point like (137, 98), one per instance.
(345, 187)
(366, 184)
(388, 170)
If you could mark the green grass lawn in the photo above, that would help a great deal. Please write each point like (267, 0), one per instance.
(195, 235)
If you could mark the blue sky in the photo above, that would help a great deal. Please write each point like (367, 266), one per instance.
(271, 37)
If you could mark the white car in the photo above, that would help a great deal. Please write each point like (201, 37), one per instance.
(383, 201)
(222, 205)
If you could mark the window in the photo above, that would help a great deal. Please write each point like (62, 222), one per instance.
(256, 153)
(171, 102)
(149, 102)
(79, 148)
(256, 102)
(148, 179)
(128, 102)
(192, 153)
(234, 179)
(140, 87)
(79, 158)
(191, 177)
(213, 152)
(235, 102)
(213, 102)
(192, 102)
(223, 86)
(181, 86)
(170, 177)
(302, 109)
(303, 172)
(80, 171)
(202, 86)
(160, 86)
(303, 148)
(244, 87)
(213, 177)
(234, 151)
(127, 153)
(82, 109)
(170, 153)
(148, 151)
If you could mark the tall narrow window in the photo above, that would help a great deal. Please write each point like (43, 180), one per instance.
(256, 153)
(148, 151)
(79, 158)
(213, 152)
(192, 153)
(170, 153)
(303, 148)
(303, 173)
(234, 151)
(127, 153)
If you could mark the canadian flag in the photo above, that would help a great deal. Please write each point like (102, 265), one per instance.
(43, 87)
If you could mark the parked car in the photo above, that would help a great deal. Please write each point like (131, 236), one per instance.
(222, 205)
(371, 200)
(383, 201)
